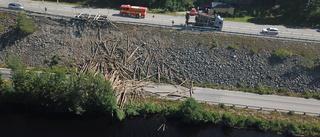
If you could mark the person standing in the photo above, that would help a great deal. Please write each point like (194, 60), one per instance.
(172, 22)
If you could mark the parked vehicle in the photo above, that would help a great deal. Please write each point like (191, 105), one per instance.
(135, 11)
(193, 12)
(206, 20)
(270, 31)
(15, 6)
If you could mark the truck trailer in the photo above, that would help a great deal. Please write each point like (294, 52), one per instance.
(206, 20)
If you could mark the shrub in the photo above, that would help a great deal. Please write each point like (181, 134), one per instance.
(263, 89)
(230, 119)
(214, 43)
(241, 121)
(165, 79)
(233, 107)
(282, 90)
(291, 113)
(1, 81)
(149, 108)
(14, 62)
(217, 117)
(307, 94)
(283, 54)
(221, 105)
(55, 60)
(131, 109)
(292, 128)
(120, 114)
(191, 111)
(25, 24)
(254, 50)
(58, 93)
(276, 125)
(316, 96)
(251, 122)
(233, 47)
(207, 117)
(201, 42)
(263, 124)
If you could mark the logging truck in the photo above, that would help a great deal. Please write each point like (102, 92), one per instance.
(134, 11)
(206, 20)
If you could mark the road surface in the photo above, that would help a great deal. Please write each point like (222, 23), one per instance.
(237, 98)
(164, 20)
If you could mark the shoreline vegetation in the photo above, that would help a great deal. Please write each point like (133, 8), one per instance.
(89, 94)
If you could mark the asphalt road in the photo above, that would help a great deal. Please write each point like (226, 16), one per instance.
(228, 27)
(237, 98)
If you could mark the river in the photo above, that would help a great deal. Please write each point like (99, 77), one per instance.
(22, 123)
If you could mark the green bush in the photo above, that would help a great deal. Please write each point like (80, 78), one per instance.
(291, 113)
(283, 54)
(263, 124)
(217, 117)
(191, 111)
(55, 60)
(292, 129)
(131, 109)
(282, 90)
(149, 108)
(58, 93)
(14, 62)
(307, 94)
(201, 42)
(251, 122)
(264, 89)
(165, 79)
(120, 114)
(222, 105)
(276, 125)
(241, 121)
(26, 25)
(230, 119)
(215, 43)
(233, 47)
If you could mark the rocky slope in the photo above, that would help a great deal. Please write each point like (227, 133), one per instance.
(205, 57)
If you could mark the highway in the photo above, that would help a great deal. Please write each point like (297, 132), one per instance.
(237, 98)
(165, 20)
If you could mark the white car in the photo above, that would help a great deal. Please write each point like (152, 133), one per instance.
(270, 31)
(15, 6)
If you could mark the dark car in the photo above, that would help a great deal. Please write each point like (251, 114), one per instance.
(15, 6)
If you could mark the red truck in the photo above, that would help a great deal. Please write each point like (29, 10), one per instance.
(134, 11)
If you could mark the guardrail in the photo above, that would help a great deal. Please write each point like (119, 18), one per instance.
(261, 108)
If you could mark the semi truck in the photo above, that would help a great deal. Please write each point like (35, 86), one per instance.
(206, 20)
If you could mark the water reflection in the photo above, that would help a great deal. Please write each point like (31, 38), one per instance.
(21, 124)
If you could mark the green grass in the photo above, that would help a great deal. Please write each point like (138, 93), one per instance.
(164, 12)
(61, 2)
(239, 19)
(283, 53)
